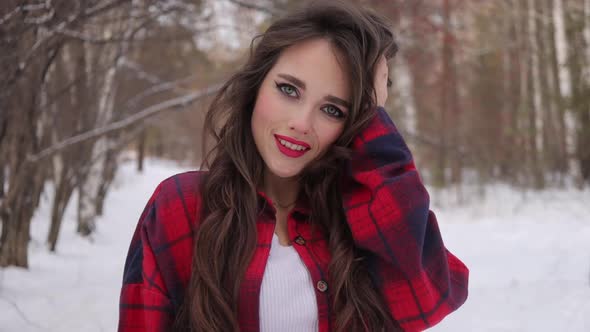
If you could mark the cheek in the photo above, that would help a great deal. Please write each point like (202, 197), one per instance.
(328, 132)
(264, 111)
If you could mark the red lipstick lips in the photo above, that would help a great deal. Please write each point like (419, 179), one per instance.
(289, 152)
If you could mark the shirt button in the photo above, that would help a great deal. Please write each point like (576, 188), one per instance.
(322, 286)
(300, 240)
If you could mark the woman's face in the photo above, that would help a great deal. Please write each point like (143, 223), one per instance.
(301, 107)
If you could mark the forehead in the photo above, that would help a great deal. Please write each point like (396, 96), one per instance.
(315, 62)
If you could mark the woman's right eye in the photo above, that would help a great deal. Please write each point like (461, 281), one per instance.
(287, 89)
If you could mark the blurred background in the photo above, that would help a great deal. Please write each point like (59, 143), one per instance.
(100, 100)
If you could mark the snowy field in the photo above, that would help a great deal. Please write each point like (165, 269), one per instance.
(528, 253)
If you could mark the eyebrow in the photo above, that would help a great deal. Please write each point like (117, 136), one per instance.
(301, 85)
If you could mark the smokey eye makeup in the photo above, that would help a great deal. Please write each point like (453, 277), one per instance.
(287, 89)
(291, 92)
(335, 112)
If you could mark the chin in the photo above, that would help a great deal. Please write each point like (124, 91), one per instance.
(285, 173)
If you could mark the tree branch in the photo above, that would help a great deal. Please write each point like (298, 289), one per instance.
(181, 101)
(259, 8)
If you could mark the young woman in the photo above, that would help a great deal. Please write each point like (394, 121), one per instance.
(311, 215)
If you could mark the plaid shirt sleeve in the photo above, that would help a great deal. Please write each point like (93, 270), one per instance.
(144, 302)
(387, 209)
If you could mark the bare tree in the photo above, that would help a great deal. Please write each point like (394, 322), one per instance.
(63, 57)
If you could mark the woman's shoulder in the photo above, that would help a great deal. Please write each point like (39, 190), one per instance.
(178, 197)
(179, 185)
(184, 183)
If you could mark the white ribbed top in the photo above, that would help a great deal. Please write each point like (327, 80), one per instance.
(287, 297)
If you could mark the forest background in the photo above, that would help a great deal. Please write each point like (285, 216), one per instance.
(100, 100)
(484, 92)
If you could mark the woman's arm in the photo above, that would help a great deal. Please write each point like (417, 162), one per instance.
(158, 265)
(387, 209)
(144, 303)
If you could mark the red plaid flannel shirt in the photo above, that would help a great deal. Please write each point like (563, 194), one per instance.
(387, 209)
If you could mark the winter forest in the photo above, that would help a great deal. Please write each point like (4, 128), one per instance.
(100, 100)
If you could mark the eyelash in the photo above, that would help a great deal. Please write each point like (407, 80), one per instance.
(280, 87)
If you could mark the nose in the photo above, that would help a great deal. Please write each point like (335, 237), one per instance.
(300, 122)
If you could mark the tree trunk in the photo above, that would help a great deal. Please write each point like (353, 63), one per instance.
(584, 130)
(554, 34)
(108, 175)
(63, 192)
(89, 188)
(575, 27)
(534, 99)
(89, 202)
(445, 96)
(16, 222)
(512, 65)
(141, 150)
(546, 106)
(21, 137)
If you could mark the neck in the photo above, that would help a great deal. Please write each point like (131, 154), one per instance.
(282, 191)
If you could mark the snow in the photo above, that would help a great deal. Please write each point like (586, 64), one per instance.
(528, 254)
(77, 288)
(529, 260)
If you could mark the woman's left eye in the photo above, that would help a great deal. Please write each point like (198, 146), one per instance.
(333, 111)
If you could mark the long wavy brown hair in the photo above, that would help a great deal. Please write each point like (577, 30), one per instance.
(226, 236)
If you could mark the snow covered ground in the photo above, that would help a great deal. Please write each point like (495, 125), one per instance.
(528, 253)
